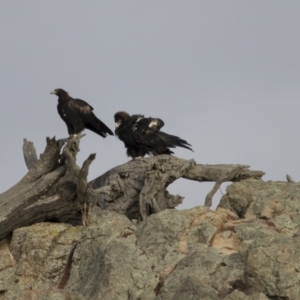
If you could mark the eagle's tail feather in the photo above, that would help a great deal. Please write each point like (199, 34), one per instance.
(98, 127)
(173, 141)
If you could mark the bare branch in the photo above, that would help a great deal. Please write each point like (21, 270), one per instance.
(230, 177)
(29, 153)
(139, 187)
(82, 179)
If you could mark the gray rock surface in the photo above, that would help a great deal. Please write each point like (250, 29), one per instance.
(248, 249)
(265, 200)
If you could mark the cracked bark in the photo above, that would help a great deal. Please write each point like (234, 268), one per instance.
(139, 187)
(49, 190)
(55, 188)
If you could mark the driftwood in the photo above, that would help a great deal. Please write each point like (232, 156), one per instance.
(145, 182)
(55, 188)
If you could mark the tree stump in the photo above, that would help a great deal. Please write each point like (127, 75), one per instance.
(54, 188)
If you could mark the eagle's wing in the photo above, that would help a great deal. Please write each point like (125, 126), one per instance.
(172, 141)
(80, 106)
(149, 125)
(133, 130)
(90, 121)
(148, 133)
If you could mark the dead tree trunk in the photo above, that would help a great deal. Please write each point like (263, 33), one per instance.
(55, 188)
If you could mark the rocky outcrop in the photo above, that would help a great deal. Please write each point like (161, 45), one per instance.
(247, 249)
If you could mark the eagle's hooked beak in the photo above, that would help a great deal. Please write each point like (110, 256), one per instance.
(117, 124)
(52, 92)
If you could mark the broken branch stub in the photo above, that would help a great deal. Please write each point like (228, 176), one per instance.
(29, 153)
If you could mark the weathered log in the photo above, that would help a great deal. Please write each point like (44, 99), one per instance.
(55, 188)
(139, 187)
(50, 189)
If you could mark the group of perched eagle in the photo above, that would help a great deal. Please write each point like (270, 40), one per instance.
(140, 135)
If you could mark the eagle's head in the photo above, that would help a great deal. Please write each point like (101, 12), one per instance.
(121, 117)
(59, 92)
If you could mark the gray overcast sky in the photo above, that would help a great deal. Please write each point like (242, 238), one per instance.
(224, 75)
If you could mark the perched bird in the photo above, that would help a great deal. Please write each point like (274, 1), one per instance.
(142, 135)
(78, 115)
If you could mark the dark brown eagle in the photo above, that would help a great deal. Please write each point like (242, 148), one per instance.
(142, 135)
(78, 115)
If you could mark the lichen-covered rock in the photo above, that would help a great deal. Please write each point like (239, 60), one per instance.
(238, 295)
(42, 294)
(111, 259)
(273, 266)
(288, 224)
(216, 273)
(265, 200)
(248, 249)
